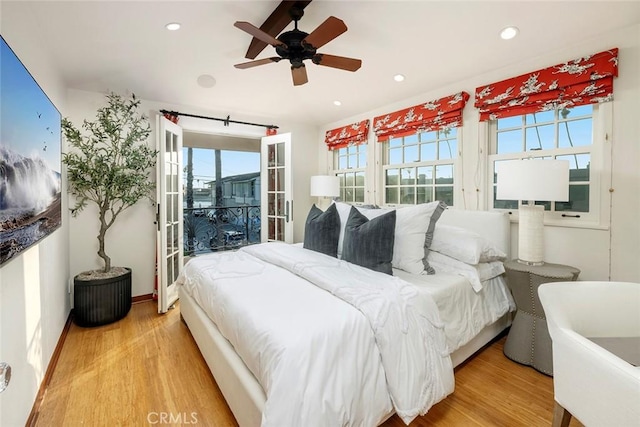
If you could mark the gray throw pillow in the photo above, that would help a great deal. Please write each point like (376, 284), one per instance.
(322, 230)
(369, 243)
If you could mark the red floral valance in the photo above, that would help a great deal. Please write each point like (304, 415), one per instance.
(353, 134)
(586, 80)
(440, 114)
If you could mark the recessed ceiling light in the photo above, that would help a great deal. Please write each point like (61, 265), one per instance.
(398, 77)
(206, 81)
(509, 33)
(172, 26)
(337, 103)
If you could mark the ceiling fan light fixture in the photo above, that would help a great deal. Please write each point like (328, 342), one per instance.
(172, 26)
(398, 77)
(509, 32)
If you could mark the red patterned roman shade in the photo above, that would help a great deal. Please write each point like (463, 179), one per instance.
(587, 80)
(353, 134)
(434, 115)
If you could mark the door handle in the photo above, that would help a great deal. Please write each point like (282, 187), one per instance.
(286, 211)
(158, 215)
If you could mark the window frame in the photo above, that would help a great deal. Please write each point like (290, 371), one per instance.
(599, 171)
(455, 161)
(341, 172)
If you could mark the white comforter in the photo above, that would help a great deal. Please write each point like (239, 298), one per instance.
(322, 360)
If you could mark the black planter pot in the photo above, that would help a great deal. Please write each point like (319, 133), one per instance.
(101, 301)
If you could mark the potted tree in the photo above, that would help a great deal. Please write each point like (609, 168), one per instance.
(109, 165)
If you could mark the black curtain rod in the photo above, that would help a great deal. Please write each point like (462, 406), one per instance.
(225, 121)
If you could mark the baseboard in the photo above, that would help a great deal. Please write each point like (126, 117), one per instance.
(35, 410)
(142, 298)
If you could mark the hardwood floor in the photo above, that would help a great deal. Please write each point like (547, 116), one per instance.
(146, 369)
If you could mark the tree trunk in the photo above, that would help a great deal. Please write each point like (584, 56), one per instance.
(103, 229)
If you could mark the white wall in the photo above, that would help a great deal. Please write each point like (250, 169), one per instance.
(611, 251)
(34, 303)
(131, 241)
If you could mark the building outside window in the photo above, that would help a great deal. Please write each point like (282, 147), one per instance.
(562, 134)
(349, 165)
(420, 168)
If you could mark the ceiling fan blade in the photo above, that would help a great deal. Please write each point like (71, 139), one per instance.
(274, 25)
(257, 33)
(299, 75)
(252, 64)
(341, 62)
(327, 31)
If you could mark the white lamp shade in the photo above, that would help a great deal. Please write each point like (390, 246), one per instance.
(545, 180)
(325, 186)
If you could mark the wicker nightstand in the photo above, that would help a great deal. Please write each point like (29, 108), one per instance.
(529, 342)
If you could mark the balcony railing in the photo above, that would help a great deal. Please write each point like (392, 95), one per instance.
(219, 228)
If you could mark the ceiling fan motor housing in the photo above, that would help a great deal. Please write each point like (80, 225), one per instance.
(294, 49)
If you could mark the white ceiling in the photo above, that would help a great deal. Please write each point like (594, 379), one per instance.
(123, 46)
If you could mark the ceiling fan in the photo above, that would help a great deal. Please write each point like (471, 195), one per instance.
(297, 46)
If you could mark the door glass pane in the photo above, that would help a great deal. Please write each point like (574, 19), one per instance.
(271, 184)
(280, 229)
(280, 155)
(169, 269)
(174, 202)
(174, 175)
(271, 160)
(280, 210)
(168, 227)
(271, 203)
(175, 237)
(168, 207)
(272, 229)
(167, 147)
(280, 180)
(176, 268)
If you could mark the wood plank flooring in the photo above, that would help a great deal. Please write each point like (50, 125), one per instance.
(147, 370)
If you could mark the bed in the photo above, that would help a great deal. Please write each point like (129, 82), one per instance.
(380, 368)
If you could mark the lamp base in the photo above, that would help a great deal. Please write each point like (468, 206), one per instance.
(530, 234)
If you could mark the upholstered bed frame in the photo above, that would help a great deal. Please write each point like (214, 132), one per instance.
(241, 390)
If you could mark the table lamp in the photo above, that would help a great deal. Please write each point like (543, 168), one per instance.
(531, 180)
(323, 186)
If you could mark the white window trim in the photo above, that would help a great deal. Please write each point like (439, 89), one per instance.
(382, 166)
(598, 217)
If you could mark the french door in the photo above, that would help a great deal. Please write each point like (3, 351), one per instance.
(169, 213)
(277, 189)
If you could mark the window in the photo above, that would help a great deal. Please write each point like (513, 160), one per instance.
(564, 134)
(419, 168)
(349, 165)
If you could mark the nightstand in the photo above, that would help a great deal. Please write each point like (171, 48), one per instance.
(529, 342)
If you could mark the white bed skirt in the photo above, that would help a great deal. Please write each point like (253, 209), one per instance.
(241, 390)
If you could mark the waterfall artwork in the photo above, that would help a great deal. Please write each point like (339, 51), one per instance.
(30, 181)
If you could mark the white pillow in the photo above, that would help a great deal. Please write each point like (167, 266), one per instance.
(465, 245)
(475, 274)
(413, 233)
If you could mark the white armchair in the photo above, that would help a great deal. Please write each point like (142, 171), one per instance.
(592, 383)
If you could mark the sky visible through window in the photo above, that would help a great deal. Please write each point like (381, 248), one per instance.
(233, 163)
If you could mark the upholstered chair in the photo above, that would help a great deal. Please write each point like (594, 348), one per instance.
(595, 334)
